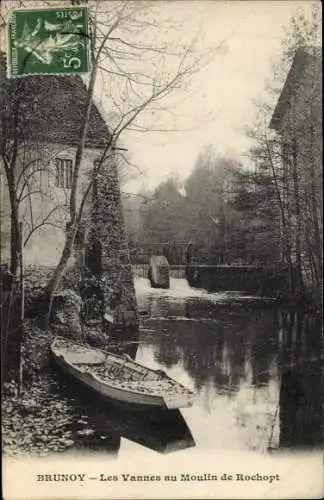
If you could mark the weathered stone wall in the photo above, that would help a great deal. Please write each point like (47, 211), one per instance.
(110, 259)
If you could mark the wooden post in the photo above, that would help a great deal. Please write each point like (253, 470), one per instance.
(7, 306)
(22, 303)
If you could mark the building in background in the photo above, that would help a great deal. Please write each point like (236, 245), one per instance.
(297, 119)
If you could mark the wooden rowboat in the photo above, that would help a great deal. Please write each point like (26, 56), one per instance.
(119, 378)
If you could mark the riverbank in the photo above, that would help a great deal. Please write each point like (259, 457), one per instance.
(35, 422)
(36, 417)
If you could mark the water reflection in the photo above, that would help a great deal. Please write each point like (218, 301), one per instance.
(216, 353)
(256, 372)
(125, 341)
(301, 389)
(98, 425)
(256, 369)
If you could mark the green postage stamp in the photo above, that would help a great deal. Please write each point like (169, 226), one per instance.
(48, 41)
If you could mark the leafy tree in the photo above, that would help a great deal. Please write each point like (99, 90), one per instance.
(163, 223)
(255, 236)
(162, 217)
(209, 189)
(292, 155)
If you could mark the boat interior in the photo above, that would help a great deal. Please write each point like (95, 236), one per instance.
(124, 369)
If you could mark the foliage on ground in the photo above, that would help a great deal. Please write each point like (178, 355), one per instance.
(35, 421)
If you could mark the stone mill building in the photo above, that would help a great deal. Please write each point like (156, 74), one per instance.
(46, 131)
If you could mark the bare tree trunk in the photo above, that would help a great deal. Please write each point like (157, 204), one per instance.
(314, 211)
(59, 271)
(71, 232)
(22, 307)
(311, 257)
(14, 227)
(10, 169)
(285, 227)
(299, 277)
(222, 226)
(14, 243)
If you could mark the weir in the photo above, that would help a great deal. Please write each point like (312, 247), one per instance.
(251, 279)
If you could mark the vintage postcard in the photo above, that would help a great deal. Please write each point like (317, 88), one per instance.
(161, 249)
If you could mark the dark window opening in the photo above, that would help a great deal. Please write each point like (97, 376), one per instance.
(64, 173)
(93, 258)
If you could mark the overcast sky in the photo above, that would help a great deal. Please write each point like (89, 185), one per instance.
(220, 104)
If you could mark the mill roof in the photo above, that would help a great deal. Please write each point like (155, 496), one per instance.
(51, 107)
(302, 58)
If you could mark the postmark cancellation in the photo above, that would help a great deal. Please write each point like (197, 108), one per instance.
(48, 41)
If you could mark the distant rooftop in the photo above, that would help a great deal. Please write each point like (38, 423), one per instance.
(302, 58)
(51, 107)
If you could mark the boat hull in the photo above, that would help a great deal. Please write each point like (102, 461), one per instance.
(119, 395)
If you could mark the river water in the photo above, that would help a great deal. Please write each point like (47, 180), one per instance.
(255, 370)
